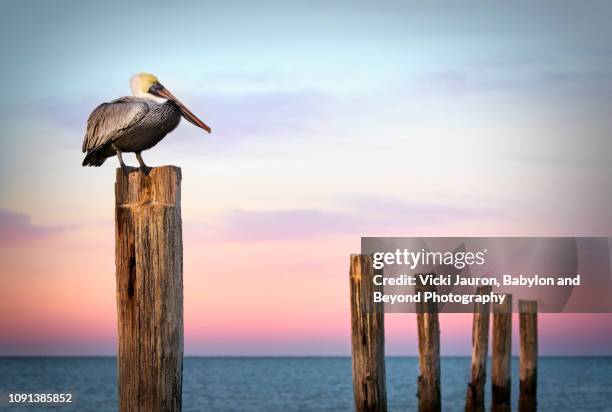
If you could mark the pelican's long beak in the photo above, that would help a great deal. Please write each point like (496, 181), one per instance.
(158, 90)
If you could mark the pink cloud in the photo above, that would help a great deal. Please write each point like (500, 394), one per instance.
(16, 228)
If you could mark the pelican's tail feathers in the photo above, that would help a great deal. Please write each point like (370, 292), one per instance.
(94, 158)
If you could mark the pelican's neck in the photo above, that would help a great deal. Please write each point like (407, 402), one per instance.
(149, 96)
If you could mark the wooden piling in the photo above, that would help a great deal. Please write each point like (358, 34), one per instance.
(502, 348)
(368, 338)
(528, 363)
(475, 398)
(149, 275)
(429, 352)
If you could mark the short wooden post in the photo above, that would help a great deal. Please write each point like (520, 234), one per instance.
(475, 398)
(528, 364)
(502, 348)
(429, 352)
(368, 338)
(149, 274)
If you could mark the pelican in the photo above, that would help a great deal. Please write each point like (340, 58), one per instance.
(134, 123)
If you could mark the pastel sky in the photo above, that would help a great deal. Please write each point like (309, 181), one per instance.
(331, 121)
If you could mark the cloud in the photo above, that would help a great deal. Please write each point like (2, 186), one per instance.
(511, 77)
(264, 113)
(285, 224)
(17, 229)
(599, 159)
(359, 217)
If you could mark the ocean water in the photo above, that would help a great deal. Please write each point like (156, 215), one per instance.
(300, 384)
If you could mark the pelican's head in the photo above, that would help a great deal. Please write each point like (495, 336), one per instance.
(141, 83)
(147, 86)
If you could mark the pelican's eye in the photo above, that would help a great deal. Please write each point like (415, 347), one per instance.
(155, 88)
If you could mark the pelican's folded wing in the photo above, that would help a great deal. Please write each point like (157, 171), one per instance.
(108, 120)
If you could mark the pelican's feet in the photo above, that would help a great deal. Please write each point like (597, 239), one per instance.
(146, 169)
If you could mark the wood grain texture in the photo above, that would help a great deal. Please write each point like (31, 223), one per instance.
(528, 361)
(475, 398)
(368, 338)
(149, 275)
(502, 348)
(429, 352)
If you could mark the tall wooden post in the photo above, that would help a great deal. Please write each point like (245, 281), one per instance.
(368, 338)
(502, 348)
(149, 265)
(528, 363)
(429, 352)
(480, 347)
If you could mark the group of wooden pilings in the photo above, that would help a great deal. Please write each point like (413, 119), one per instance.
(368, 349)
(149, 275)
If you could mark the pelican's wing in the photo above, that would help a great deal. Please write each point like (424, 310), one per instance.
(110, 119)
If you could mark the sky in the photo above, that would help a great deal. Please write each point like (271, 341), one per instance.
(331, 121)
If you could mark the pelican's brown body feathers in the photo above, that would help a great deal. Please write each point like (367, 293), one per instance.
(128, 124)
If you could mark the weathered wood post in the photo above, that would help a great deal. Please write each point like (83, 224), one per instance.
(502, 348)
(528, 364)
(368, 338)
(429, 352)
(480, 347)
(149, 265)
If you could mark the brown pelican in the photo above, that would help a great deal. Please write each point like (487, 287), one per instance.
(134, 123)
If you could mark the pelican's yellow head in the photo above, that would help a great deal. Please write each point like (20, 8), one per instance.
(141, 83)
